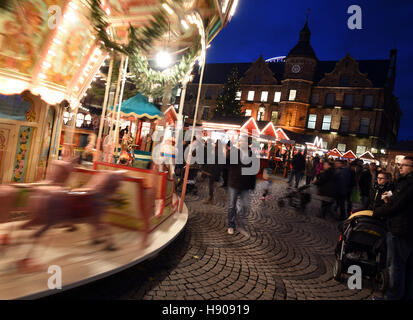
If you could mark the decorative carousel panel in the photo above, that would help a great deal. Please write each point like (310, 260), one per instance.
(23, 31)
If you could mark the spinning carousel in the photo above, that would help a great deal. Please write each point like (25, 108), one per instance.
(88, 222)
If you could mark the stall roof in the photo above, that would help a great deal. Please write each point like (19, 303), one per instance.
(232, 120)
(139, 107)
(300, 138)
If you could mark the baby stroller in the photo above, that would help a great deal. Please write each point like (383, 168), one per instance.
(296, 198)
(362, 242)
(191, 182)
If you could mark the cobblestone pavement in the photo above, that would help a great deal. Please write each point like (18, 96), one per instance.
(274, 254)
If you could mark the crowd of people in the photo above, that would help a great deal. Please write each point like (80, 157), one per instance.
(340, 184)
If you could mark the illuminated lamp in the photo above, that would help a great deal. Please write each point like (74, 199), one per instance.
(163, 59)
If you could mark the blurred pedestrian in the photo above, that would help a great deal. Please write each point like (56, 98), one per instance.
(367, 181)
(326, 187)
(344, 185)
(298, 164)
(309, 170)
(239, 185)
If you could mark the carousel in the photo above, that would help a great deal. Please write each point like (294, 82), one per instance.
(90, 222)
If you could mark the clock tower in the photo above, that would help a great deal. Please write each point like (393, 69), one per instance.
(301, 61)
(300, 66)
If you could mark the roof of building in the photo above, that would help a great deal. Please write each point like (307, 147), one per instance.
(217, 73)
(298, 137)
(235, 120)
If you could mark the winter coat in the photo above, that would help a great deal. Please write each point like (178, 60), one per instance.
(365, 183)
(298, 162)
(236, 179)
(318, 168)
(326, 183)
(375, 199)
(398, 210)
(345, 180)
(310, 168)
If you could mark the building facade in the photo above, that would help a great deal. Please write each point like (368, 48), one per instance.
(349, 103)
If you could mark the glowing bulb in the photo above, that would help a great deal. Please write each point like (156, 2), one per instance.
(234, 8)
(163, 59)
(167, 8)
(184, 24)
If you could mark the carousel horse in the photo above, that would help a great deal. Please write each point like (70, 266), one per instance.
(56, 176)
(81, 205)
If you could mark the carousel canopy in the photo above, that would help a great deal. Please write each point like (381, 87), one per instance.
(51, 48)
(139, 107)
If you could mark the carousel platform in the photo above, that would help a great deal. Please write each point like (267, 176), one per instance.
(80, 261)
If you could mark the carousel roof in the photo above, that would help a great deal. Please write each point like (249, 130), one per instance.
(139, 107)
(58, 58)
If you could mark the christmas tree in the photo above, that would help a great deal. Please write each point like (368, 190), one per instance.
(227, 104)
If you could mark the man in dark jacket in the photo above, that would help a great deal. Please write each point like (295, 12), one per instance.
(345, 180)
(383, 185)
(399, 215)
(239, 185)
(366, 183)
(326, 187)
(298, 163)
(211, 167)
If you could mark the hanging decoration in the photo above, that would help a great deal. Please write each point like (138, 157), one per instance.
(151, 82)
(138, 39)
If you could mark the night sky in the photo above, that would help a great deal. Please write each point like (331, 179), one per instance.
(271, 28)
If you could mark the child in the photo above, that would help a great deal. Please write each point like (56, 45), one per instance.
(267, 182)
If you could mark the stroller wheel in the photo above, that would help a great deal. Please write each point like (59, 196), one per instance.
(382, 280)
(337, 270)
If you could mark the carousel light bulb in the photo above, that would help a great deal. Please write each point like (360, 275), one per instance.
(234, 8)
(184, 24)
(107, 11)
(163, 59)
(167, 8)
(42, 75)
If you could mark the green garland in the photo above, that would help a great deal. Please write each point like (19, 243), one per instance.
(148, 81)
(138, 39)
(153, 83)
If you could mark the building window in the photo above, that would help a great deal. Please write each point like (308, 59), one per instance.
(344, 124)
(208, 94)
(325, 144)
(315, 98)
(368, 101)
(238, 95)
(251, 95)
(264, 96)
(326, 122)
(292, 95)
(260, 115)
(312, 119)
(374, 150)
(274, 117)
(344, 81)
(248, 112)
(205, 113)
(277, 96)
(341, 147)
(348, 100)
(360, 150)
(364, 125)
(178, 92)
(330, 99)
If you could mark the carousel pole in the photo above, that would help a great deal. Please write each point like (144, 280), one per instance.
(181, 204)
(105, 105)
(116, 142)
(109, 150)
